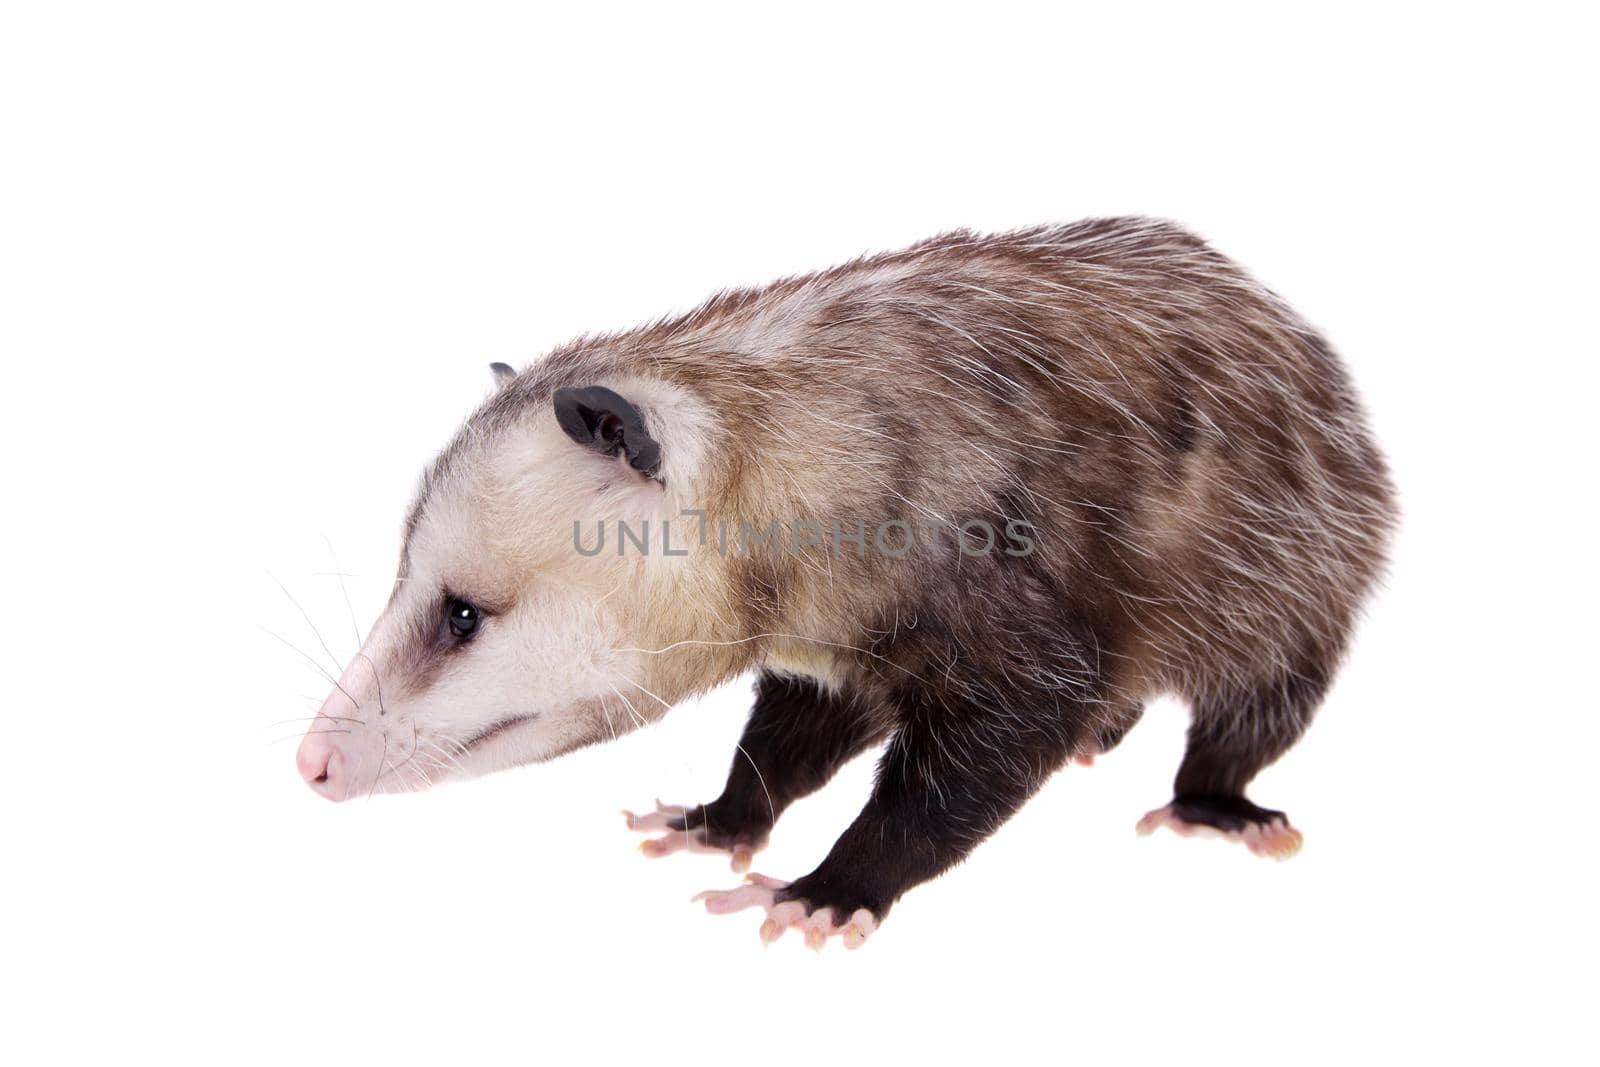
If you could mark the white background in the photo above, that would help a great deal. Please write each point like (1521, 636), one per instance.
(253, 261)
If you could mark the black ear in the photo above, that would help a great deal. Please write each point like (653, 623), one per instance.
(503, 373)
(597, 418)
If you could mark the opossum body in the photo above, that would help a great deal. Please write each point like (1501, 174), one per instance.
(1203, 507)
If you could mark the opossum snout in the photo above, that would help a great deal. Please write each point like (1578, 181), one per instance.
(321, 763)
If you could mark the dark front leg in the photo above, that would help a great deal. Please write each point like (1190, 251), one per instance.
(954, 772)
(798, 735)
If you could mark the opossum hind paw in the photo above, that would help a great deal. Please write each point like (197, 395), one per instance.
(671, 820)
(816, 925)
(1262, 831)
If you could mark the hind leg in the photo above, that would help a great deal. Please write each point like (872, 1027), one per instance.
(1232, 737)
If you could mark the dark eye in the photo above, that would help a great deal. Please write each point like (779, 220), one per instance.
(463, 618)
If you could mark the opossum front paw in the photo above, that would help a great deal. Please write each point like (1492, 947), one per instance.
(695, 830)
(786, 912)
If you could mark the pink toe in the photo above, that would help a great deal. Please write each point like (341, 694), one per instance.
(860, 927)
(1154, 820)
(789, 913)
(726, 901)
(764, 881)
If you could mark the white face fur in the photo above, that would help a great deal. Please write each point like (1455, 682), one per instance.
(502, 644)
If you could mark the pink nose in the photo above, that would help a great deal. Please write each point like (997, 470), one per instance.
(323, 767)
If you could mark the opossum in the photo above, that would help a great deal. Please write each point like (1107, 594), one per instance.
(1179, 488)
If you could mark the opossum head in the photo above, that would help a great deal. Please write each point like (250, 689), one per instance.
(503, 643)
